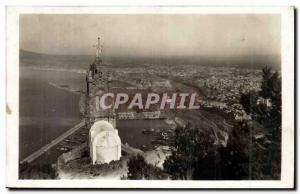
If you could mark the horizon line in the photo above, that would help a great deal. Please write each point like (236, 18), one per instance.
(160, 56)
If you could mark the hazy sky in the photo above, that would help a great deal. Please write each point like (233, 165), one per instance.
(181, 35)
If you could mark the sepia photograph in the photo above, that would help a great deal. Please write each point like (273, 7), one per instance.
(150, 98)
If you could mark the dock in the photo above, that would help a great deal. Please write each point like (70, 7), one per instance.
(53, 143)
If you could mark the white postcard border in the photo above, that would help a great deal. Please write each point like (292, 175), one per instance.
(12, 98)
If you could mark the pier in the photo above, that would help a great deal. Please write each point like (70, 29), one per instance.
(53, 143)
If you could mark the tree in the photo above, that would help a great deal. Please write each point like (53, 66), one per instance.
(37, 171)
(138, 169)
(190, 146)
(196, 156)
(234, 157)
(265, 108)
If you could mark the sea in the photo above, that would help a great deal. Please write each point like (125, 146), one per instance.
(46, 111)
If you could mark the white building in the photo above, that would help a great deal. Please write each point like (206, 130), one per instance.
(104, 142)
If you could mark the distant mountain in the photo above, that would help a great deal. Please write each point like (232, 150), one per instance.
(25, 53)
(28, 58)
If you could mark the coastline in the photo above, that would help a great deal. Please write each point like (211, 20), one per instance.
(44, 121)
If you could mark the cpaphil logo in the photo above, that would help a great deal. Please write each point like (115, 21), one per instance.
(144, 100)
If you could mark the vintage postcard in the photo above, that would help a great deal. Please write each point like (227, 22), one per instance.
(150, 97)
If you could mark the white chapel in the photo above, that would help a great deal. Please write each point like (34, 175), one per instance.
(105, 143)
